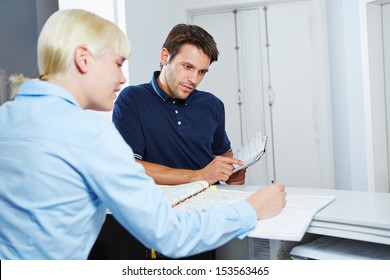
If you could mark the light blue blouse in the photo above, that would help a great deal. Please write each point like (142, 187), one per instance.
(61, 167)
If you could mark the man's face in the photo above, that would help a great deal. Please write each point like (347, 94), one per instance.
(185, 71)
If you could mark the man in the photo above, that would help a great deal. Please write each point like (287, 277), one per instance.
(176, 131)
(62, 166)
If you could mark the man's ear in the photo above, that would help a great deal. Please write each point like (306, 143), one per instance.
(81, 57)
(164, 57)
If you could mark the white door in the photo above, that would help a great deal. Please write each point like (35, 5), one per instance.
(241, 79)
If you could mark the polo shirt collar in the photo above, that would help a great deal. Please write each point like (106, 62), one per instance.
(162, 94)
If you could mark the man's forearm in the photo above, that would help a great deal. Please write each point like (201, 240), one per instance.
(164, 175)
(228, 154)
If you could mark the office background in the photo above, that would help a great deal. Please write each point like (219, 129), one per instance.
(329, 110)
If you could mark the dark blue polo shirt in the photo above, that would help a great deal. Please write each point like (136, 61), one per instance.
(176, 133)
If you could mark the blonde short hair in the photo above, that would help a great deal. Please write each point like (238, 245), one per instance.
(66, 29)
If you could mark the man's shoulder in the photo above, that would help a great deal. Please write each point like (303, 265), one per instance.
(206, 96)
(137, 89)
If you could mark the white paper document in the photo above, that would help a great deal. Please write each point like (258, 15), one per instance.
(213, 198)
(251, 152)
(292, 223)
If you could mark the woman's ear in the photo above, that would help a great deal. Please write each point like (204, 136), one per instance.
(164, 57)
(81, 57)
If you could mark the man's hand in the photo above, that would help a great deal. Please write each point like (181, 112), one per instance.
(268, 201)
(237, 178)
(219, 169)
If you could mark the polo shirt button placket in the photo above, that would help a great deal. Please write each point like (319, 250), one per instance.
(177, 114)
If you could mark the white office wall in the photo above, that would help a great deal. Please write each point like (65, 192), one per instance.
(104, 8)
(148, 23)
